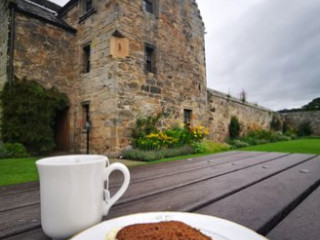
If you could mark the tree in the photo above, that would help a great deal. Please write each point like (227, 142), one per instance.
(313, 105)
(243, 95)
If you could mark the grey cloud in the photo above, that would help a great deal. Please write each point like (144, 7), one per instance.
(272, 51)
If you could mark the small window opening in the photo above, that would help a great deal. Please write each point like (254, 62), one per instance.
(187, 113)
(88, 5)
(86, 59)
(150, 56)
(148, 5)
(86, 116)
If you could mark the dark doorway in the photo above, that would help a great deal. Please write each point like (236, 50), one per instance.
(62, 130)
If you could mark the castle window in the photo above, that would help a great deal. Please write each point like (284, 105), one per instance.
(86, 58)
(88, 5)
(86, 124)
(150, 58)
(187, 113)
(148, 5)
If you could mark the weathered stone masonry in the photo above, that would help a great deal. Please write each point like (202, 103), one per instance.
(49, 48)
(222, 107)
(4, 34)
(295, 119)
(98, 57)
(117, 87)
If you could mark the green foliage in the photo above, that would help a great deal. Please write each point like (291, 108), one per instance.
(263, 136)
(143, 127)
(146, 136)
(236, 143)
(234, 127)
(12, 150)
(313, 105)
(257, 137)
(137, 154)
(207, 146)
(28, 112)
(156, 141)
(276, 123)
(304, 129)
(182, 134)
(243, 95)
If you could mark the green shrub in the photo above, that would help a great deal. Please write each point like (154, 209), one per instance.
(304, 129)
(156, 141)
(13, 150)
(28, 112)
(236, 143)
(276, 123)
(263, 136)
(142, 155)
(146, 136)
(183, 135)
(234, 127)
(145, 126)
(208, 146)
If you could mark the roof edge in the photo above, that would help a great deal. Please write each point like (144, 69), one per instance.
(66, 7)
(67, 28)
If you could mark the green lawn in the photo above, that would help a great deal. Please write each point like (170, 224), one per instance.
(311, 146)
(13, 171)
(22, 170)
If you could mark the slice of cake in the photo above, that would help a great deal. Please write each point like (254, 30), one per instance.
(170, 230)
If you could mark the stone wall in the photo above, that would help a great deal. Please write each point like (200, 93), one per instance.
(97, 88)
(117, 88)
(4, 34)
(176, 32)
(294, 119)
(46, 53)
(222, 107)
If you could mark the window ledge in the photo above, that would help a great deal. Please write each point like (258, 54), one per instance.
(87, 14)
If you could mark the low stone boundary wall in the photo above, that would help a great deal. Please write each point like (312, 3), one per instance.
(222, 107)
(294, 119)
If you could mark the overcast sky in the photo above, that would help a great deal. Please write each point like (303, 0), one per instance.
(268, 48)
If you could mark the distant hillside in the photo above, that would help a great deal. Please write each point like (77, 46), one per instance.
(311, 106)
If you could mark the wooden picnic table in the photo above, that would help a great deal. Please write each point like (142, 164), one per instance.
(275, 194)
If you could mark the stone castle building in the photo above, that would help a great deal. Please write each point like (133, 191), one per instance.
(116, 60)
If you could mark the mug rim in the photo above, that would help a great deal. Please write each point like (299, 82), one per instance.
(73, 159)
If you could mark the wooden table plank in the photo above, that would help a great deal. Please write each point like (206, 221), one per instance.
(12, 189)
(196, 195)
(32, 213)
(174, 180)
(19, 199)
(36, 234)
(184, 198)
(19, 220)
(28, 194)
(145, 172)
(260, 206)
(302, 223)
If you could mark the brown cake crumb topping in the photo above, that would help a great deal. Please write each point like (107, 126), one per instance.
(170, 230)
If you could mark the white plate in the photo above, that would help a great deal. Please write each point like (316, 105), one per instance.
(217, 228)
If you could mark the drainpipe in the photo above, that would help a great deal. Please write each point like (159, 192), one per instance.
(11, 46)
(88, 128)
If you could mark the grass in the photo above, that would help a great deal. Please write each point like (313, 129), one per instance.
(18, 170)
(23, 170)
(311, 146)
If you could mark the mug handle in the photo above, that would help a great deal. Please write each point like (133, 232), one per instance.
(109, 201)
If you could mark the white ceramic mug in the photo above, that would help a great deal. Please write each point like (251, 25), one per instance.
(72, 192)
